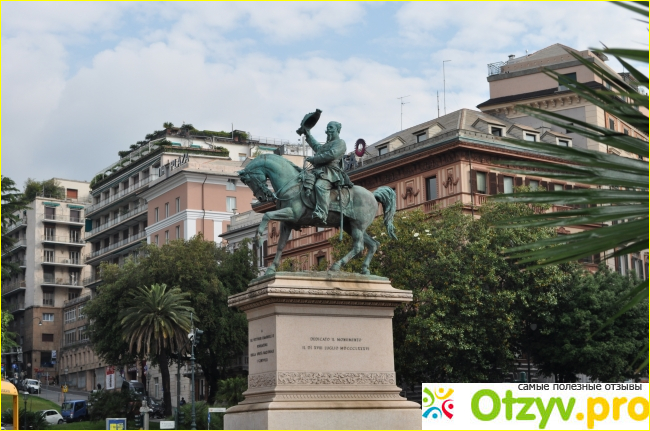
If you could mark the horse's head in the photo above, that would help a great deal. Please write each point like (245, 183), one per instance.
(256, 181)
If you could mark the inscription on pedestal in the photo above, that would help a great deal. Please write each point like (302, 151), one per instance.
(259, 347)
(335, 343)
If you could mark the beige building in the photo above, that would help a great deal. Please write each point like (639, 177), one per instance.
(49, 251)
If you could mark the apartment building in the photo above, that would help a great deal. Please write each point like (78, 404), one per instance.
(50, 251)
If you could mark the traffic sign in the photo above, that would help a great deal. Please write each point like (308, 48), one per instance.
(64, 389)
(217, 410)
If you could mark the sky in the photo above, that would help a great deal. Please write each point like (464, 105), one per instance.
(82, 81)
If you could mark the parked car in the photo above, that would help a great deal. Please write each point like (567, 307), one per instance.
(75, 410)
(134, 386)
(32, 386)
(52, 416)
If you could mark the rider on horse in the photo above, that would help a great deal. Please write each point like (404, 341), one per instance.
(326, 162)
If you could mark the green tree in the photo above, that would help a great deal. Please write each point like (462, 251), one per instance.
(156, 324)
(469, 304)
(618, 199)
(562, 345)
(48, 188)
(231, 391)
(13, 202)
(8, 338)
(208, 272)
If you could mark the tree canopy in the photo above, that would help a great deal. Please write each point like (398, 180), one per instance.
(201, 268)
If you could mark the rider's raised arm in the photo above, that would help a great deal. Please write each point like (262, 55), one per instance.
(313, 143)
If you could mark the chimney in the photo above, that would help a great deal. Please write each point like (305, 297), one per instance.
(511, 57)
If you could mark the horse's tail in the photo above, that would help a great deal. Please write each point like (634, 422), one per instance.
(387, 198)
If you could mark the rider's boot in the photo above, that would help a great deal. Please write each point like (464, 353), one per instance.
(322, 202)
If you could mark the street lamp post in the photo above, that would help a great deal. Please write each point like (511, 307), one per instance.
(25, 396)
(65, 394)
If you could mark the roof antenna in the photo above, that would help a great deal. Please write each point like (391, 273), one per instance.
(401, 111)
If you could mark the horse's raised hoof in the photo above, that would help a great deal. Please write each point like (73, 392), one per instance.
(270, 271)
(335, 268)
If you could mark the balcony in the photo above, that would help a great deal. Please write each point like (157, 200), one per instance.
(20, 223)
(63, 261)
(121, 194)
(14, 287)
(62, 219)
(77, 300)
(17, 306)
(64, 240)
(50, 280)
(89, 281)
(20, 244)
(116, 221)
(120, 244)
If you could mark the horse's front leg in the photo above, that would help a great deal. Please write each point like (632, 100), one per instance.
(285, 214)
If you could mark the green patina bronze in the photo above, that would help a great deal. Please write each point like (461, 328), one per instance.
(321, 196)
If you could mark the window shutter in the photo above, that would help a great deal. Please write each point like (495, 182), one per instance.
(568, 187)
(597, 258)
(527, 182)
(492, 176)
(500, 183)
(472, 181)
(544, 184)
(519, 181)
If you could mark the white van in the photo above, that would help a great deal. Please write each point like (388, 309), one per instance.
(32, 386)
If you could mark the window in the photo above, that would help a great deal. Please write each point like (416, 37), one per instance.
(508, 184)
(432, 188)
(71, 193)
(530, 137)
(612, 124)
(48, 255)
(421, 137)
(69, 337)
(70, 315)
(75, 216)
(48, 317)
(572, 76)
(533, 184)
(166, 209)
(627, 132)
(558, 187)
(155, 214)
(319, 260)
(83, 334)
(383, 150)
(496, 131)
(80, 312)
(155, 239)
(50, 213)
(50, 233)
(75, 257)
(622, 265)
(242, 157)
(481, 183)
(166, 237)
(178, 205)
(156, 387)
(47, 338)
(230, 185)
(48, 297)
(563, 142)
(231, 204)
(178, 232)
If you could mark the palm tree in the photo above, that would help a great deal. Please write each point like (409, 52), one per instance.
(168, 124)
(156, 324)
(618, 199)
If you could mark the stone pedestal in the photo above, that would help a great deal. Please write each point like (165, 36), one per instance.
(320, 354)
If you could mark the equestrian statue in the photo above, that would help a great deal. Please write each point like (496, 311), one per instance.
(322, 196)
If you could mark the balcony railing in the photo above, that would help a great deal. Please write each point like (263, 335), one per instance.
(120, 194)
(16, 245)
(92, 279)
(135, 211)
(16, 306)
(77, 300)
(62, 260)
(10, 287)
(18, 224)
(495, 68)
(131, 239)
(60, 281)
(63, 239)
(62, 218)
